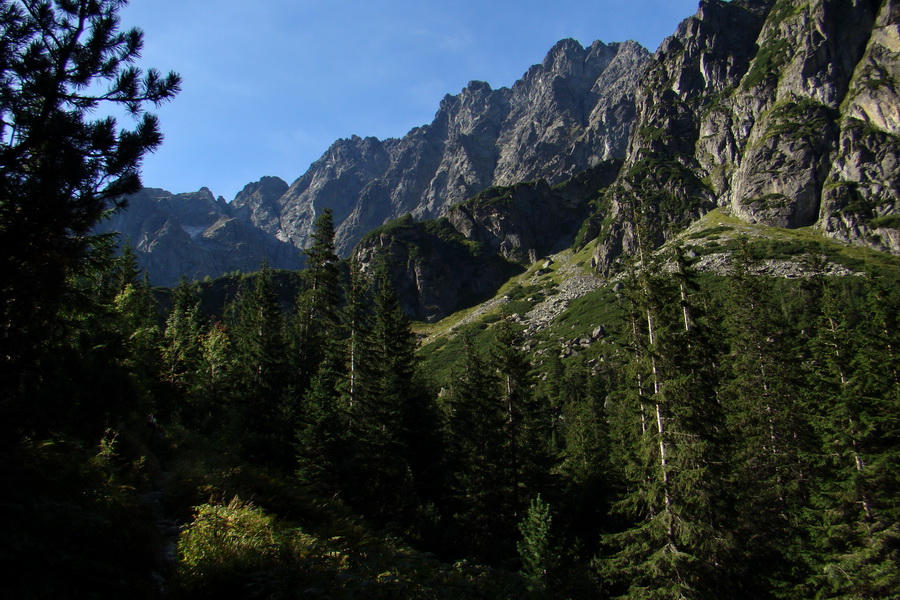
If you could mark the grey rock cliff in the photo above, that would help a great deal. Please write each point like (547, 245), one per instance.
(446, 264)
(783, 112)
(197, 235)
(568, 113)
(571, 112)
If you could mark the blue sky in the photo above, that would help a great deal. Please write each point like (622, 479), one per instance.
(270, 84)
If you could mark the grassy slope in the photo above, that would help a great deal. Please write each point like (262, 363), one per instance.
(716, 232)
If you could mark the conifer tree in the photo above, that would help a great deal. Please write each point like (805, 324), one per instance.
(216, 377)
(60, 172)
(670, 425)
(137, 321)
(182, 353)
(771, 427)
(585, 437)
(536, 548)
(383, 380)
(856, 392)
(321, 438)
(326, 368)
(527, 439)
(480, 483)
(317, 322)
(586, 488)
(261, 368)
(360, 388)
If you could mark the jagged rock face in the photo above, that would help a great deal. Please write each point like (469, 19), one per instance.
(662, 181)
(433, 269)
(809, 54)
(513, 221)
(784, 112)
(571, 112)
(258, 204)
(443, 265)
(566, 114)
(862, 191)
(197, 235)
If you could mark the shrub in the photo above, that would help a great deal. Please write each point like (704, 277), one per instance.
(226, 543)
(887, 222)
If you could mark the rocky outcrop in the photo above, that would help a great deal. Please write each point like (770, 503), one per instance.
(664, 184)
(197, 235)
(784, 112)
(442, 265)
(434, 269)
(570, 112)
(527, 221)
(258, 204)
(861, 196)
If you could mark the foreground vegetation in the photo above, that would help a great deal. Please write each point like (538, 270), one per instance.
(729, 436)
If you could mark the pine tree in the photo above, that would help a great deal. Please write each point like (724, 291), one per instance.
(322, 448)
(527, 438)
(481, 484)
(856, 391)
(182, 353)
(536, 547)
(216, 377)
(60, 172)
(137, 322)
(317, 322)
(381, 393)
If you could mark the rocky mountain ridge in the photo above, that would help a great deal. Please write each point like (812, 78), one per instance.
(571, 112)
(568, 113)
(198, 235)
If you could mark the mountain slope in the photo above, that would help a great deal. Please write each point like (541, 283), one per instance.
(774, 110)
(197, 235)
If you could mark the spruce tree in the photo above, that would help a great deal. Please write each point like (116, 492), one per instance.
(261, 369)
(536, 548)
(670, 426)
(182, 354)
(327, 370)
(526, 436)
(855, 389)
(586, 487)
(772, 432)
(383, 379)
(137, 322)
(481, 487)
(317, 321)
(216, 378)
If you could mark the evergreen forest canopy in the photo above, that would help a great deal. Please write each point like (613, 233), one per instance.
(735, 437)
